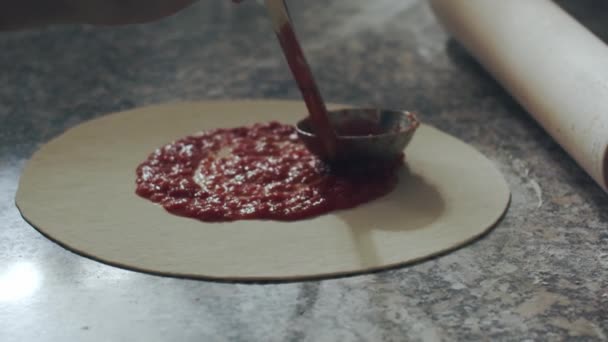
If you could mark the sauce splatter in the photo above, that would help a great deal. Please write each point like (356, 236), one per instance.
(261, 171)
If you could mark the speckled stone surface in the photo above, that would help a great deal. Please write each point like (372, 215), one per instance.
(541, 274)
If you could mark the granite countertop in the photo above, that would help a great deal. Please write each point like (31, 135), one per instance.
(541, 274)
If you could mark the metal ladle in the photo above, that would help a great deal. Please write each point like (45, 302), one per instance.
(339, 135)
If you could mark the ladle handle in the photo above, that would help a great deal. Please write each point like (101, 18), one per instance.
(302, 73)
(279, 14)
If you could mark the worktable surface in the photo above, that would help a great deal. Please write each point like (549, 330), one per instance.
(542, 273)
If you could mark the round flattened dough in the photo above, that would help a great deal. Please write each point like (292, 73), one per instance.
(79, 190)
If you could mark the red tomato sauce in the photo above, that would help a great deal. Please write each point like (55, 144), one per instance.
(261, 171)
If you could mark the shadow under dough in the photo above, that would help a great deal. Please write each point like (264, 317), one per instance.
(413, 205)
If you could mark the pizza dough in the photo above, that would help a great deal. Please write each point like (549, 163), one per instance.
(79, 190)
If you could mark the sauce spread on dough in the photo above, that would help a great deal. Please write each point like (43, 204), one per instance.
(256, 172)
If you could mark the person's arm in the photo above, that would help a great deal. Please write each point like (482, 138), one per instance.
(25, 14)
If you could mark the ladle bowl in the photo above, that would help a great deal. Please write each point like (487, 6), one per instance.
(363, 134)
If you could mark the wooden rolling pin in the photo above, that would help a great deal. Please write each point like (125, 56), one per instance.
(549, 62)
